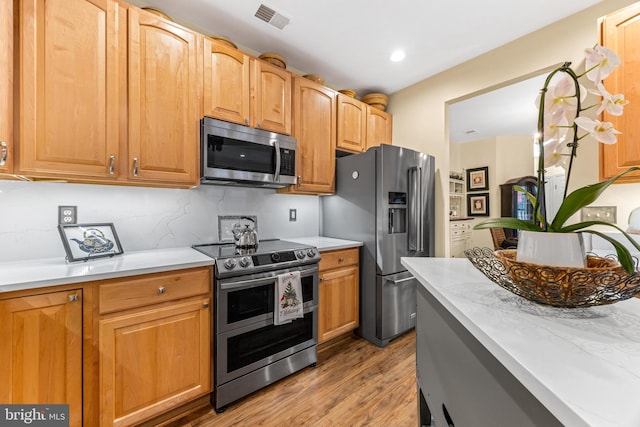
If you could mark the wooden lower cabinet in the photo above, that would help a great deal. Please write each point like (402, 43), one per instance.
(339, 293)
(41, 350)
(155, 355)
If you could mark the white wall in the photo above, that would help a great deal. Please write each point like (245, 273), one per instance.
(420, 111)
(145, 218)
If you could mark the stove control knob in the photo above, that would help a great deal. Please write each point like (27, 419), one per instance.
(311, 253)
(230, 263)
(300, 254)
(245, 262)
(275, 257)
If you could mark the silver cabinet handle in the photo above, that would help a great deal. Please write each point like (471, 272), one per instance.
(135, 166)
(112, 164)
(246, 121)
(205, 305)
(299, 181)
(3, 153)
(340, 259)
(259, 124)
(73, 297)
(161, 290)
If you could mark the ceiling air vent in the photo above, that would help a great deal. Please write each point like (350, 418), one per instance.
(270, 16)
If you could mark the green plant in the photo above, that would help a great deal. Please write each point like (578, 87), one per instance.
(559, 100)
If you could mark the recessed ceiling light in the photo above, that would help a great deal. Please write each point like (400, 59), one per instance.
(397, 56)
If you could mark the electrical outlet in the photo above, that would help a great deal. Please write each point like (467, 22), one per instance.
(293, 216)
(67, 214)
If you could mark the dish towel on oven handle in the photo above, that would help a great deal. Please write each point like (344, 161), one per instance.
(288, 301)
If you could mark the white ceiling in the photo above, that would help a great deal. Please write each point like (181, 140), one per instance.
(348, 43)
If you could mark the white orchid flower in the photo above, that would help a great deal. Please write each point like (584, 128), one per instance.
(602, 131)
(612, 104)
(562, 94)
(556, 124)
(600, 62)
(556, 153)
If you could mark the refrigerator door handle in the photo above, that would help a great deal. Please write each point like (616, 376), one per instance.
(415, 239)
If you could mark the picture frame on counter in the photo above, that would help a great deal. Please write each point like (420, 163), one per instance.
(478, 204)
(478, 179)
(83, 242)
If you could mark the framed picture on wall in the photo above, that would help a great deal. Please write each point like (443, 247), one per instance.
(478, 204)
(478, 179)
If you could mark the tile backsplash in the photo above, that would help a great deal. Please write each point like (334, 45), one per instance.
(144, 218)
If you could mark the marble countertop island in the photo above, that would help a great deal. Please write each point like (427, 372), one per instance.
(582, 364)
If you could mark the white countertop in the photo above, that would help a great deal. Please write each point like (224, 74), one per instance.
(38, 273)
(325, 243)
(583, 364)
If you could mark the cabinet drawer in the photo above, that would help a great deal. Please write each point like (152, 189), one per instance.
(122, 294)
(339, 258)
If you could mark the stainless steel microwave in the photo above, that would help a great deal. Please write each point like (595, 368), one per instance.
(239, 155)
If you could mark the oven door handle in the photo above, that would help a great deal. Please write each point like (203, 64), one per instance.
(262, 280)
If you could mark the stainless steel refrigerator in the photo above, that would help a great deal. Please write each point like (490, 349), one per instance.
(385, 199)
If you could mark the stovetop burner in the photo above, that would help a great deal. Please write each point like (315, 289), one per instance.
(268, 255)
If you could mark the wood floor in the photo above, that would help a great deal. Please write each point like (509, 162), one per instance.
(354, 384)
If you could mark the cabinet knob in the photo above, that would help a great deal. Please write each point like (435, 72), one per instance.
(299, 181)
(340, 259)
(259, 124)
(3, 153)
(112, 164)
(161, 290)
(135, 166)
(246, 121)
(205, 305)
(73, 297)
(321, 279)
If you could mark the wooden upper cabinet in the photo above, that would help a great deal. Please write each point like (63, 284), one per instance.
(314, 126)
(245, 90)
(379, 127)
(352, 124)
(68, 106)
(226, 83)
(6, 87)
(271, 96)
(41, 351)
(620, 31)
(164, 105)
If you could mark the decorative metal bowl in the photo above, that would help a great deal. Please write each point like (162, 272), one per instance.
(602, 282)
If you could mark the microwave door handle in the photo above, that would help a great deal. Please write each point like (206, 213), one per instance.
(277, 147)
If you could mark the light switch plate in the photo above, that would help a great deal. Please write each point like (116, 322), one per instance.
(599, 213)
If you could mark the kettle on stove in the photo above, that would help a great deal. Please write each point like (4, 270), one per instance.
(246, 237)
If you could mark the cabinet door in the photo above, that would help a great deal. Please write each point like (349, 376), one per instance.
(620, 32)
(6, 87)
(69, 87)
(379, 127)
(352, 124)
(339, 302)
(315, 130)
(271, 93)
(226, 83)
(41, 351)
(164, 107)
(153, 360)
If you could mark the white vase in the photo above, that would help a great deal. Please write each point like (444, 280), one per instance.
(554, 249)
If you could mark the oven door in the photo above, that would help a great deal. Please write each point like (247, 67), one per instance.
(248, 300)
(247, 349)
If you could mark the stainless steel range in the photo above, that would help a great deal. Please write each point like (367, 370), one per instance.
(250, 352)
